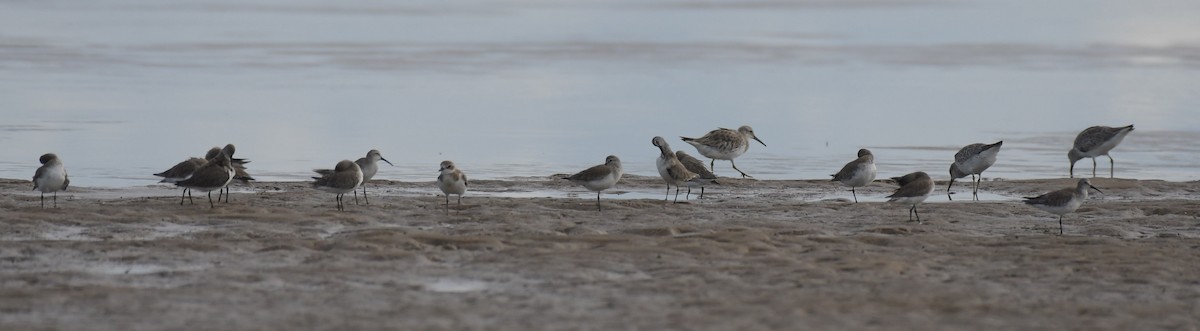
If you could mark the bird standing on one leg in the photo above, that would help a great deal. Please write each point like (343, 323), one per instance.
(600, 177)
(859, 172)
(1064, 201)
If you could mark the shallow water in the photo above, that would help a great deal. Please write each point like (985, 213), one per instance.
(124, 89)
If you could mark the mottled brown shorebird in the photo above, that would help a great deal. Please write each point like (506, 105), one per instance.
(725, 144)
(914, 189)
(704, 178)
(345, 178)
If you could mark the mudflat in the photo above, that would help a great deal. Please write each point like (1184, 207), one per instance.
(750, 255)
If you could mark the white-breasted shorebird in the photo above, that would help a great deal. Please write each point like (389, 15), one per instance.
(451, 181)
(600, 177)
(1064, 201)
(1094, 142)
(857, 173)
(51, 177)
(972, 160)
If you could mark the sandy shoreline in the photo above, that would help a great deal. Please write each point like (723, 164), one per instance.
(753, 254)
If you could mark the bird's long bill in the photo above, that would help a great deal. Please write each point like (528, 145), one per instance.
(1094, 188)
(950, 185)
(760, 142)
(389, 162)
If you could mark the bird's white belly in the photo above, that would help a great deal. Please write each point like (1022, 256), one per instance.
(453, 187)
(369, 171)
(719, 153)
(1061, 210)
(602, 183)
(864, 175)
(1106, 146)
(52, 180)
(977, 164)
(663, 166)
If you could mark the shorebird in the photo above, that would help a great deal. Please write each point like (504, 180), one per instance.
(239, 169)
(859, 172)
(181, 171)
(972, 160)
(600, 177)
(451, 181)
(695, 165)
(345, 178)
(213, 175)
(669, 167)
(725, 144)
(914, 188)
(51, 177)
(1094, 142)
(369, 166)
(1063, 201)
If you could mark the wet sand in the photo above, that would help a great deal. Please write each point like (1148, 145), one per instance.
(752, 255)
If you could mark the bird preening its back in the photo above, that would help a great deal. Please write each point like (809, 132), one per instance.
(51, 177)
(669, 167)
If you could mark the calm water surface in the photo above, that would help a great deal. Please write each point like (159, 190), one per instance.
(124, 89)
